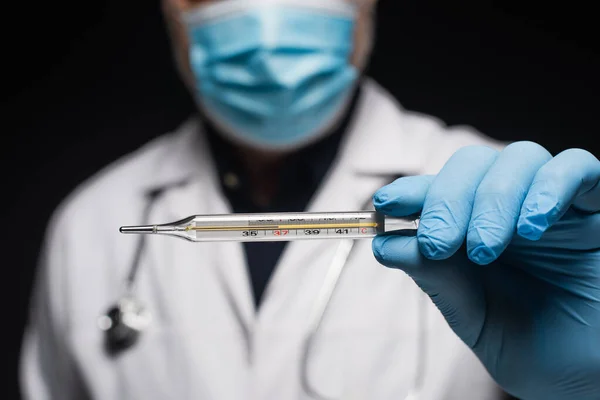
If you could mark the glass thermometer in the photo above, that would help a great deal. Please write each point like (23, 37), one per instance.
(279, 226)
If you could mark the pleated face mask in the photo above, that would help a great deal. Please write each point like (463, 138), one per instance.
(273, 74)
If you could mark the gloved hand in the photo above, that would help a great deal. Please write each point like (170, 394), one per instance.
(508, 249)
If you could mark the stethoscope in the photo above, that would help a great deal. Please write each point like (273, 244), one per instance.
(334, 273)
(128, 317)
(124, 322)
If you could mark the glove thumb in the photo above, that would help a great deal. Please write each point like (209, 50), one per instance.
(454, 285)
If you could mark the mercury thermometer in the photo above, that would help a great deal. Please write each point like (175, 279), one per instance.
(279, 226)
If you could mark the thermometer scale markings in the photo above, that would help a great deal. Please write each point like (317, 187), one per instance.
(278, 227)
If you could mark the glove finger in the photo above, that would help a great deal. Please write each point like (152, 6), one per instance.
(574, 231)
(454, 285)
(403, 197)
(499, 198)
(447, 209)
(570, 178)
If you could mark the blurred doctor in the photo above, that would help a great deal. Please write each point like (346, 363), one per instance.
(286, 122)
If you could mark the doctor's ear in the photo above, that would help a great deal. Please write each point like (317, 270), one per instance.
(184, 5)
(178, 37)
(364, 35)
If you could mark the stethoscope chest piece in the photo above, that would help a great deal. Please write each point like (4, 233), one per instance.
(122, 324)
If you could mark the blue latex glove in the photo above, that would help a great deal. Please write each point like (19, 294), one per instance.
(525, 293)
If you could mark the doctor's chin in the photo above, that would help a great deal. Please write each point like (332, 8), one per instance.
(302, 234)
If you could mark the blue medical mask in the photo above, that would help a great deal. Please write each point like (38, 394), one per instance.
(273, 74)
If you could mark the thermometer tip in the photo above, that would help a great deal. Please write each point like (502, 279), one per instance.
(137, 229)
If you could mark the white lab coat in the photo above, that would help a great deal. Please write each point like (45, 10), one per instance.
(206, 340)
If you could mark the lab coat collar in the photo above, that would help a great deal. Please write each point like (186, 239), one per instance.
(185, 157)
(380, 143)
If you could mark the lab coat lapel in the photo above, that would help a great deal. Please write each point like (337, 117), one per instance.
(189, 161)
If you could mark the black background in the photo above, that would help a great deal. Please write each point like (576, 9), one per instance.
(87, 82)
